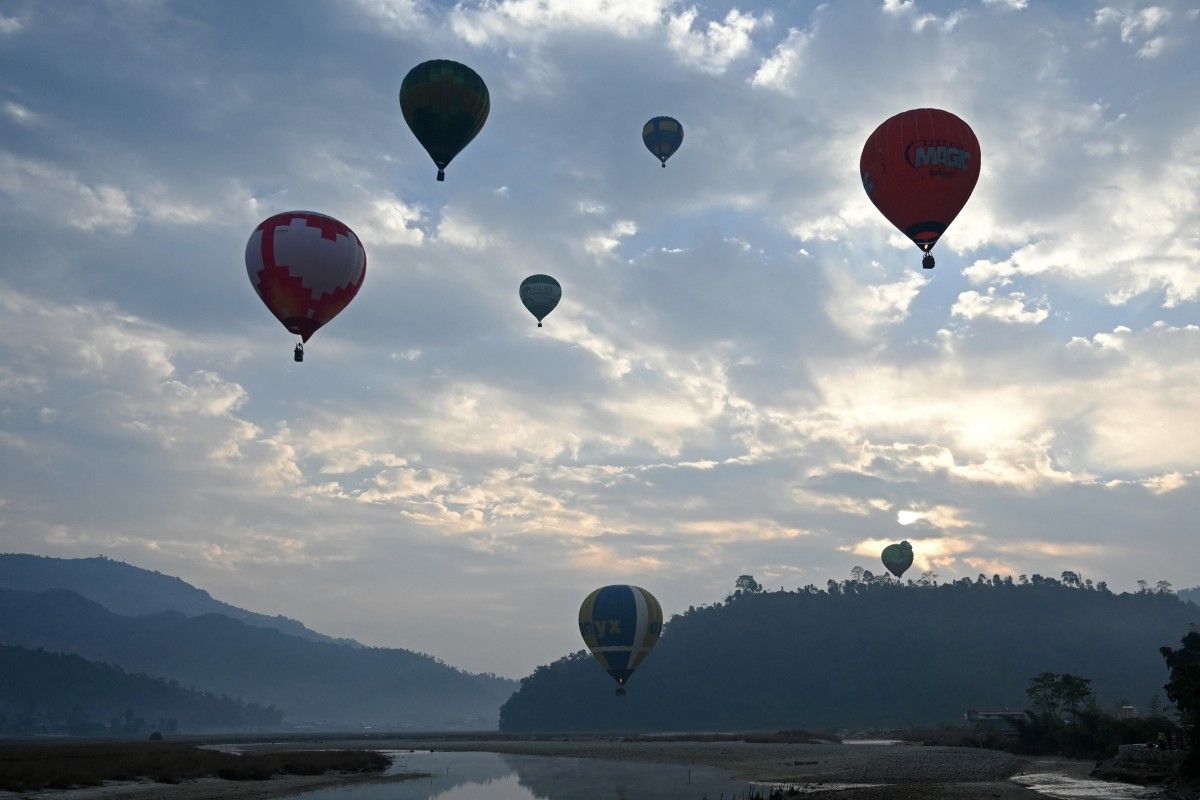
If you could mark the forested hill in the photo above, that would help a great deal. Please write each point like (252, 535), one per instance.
(125, 589)
(1191, 595)
(866, 653)
(51, 692)
(313, 683)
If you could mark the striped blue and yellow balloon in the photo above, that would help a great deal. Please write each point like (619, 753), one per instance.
(662, 137)
(620, 625)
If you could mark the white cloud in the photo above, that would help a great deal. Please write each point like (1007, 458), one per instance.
(603, 244)
(20, 114)
(1137, 26)
(1008, 308)
(713, 48)
(391, 221)
(858, 309)
(403, 16)
(778, 70)
(10, 25)
(57, 195)
(486, 20)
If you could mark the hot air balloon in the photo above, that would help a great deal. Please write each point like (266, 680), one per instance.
(540, 294)
(662, 137)
(306, 267)
(898, 558)
(445, 105)
(919, 168)
(620, 625)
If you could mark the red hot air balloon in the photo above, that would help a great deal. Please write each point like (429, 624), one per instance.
(306, 267)
(919, 168)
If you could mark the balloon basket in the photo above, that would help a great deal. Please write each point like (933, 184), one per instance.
(620, 691)
(927, 262)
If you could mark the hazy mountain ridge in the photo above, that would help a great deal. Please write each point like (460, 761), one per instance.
(42, 689)
(1190, 595)
(865, 653)
(132, 591)
(316, 683)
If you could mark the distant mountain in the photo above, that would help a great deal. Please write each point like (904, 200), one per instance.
(314, 683)
(865, 653)
(1190, 595)
(125, 589)
(47, 692)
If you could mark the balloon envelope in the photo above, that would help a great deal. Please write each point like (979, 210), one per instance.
(445, 105)
(620, 625)
(540, 294)
(662, 137)
(898, 558)
(306, 267)
(919, 168)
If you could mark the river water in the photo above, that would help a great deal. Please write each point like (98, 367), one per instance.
(495, 776)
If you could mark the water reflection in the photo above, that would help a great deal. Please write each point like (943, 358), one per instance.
(476, 776)
(1068, 788)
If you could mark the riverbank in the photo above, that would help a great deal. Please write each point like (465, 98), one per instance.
(882, 771)
(212, 788)
(899, 772)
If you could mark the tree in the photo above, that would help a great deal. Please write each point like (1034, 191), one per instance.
(747, 584)
(1070, 578)
(1074, 689)
(1043, 692)
(1164, 587)
(1183, 688)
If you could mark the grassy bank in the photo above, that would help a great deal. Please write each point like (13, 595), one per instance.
(62, 765)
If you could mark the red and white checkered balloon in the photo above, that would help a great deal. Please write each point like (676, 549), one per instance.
(306, 267)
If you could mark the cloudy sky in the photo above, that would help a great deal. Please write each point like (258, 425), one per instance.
(749, 371)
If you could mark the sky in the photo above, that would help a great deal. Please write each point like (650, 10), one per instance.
(749, 372)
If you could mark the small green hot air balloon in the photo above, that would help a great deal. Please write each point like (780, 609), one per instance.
(540, 294)
(662, 137)
(898, 558)
(445, 104)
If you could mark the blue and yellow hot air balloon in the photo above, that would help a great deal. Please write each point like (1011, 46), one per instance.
(620, 625)
(662, 137)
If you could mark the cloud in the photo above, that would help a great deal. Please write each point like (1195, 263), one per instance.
(858, 309)
(57, 194)
(783, 65)
(20, 114)
(602, 244)
(719, 44)
(1008, 308)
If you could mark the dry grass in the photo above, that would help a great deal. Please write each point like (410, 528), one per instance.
(26, 766)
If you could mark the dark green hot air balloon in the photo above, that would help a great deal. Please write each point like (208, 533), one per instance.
(898, 558)
(540, 294)
(662, 137)
(445, 104)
